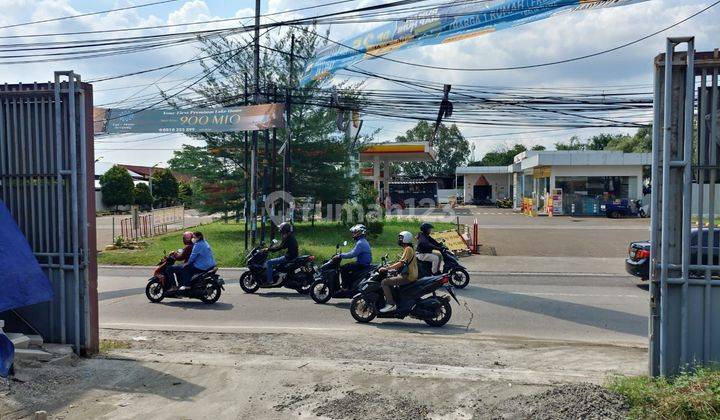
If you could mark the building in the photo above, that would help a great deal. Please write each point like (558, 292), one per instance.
(572, 182)
(139, 174)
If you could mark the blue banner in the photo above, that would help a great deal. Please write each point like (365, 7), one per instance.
(440, 25)
(22, 281)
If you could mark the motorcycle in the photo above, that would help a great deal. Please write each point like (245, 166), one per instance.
(206, 286)
(418, 299)
(327, 280)
(459, 277)
(297, 274)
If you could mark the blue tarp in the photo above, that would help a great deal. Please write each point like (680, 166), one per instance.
(22, 281)
(7, 355)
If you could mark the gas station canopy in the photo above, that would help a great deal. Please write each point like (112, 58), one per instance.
(398, 152)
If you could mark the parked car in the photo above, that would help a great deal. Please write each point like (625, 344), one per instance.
(638, 261)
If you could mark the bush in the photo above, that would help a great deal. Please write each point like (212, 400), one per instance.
(690, 395)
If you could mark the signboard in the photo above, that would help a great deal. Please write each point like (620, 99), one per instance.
(443, 24)
(201, 120)
(557, 201)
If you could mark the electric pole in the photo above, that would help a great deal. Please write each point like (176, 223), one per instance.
(287, 181)
(256, 100)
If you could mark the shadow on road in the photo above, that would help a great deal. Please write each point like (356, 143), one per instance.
(607, 319)
(282, 295)
(413, 327)
(114, 294)
(643, 286)
(194, 304)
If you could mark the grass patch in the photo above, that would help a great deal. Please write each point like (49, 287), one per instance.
(693, 395)
(226, 240)
(107, 345)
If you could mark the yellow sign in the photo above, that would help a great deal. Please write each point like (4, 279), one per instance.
(452, 240)
(543, 172)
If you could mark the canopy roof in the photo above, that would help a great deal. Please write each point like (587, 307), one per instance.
(398, 152)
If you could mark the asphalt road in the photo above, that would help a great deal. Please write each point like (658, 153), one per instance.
(589, 308)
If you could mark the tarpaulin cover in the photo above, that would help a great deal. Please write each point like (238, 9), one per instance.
(7, 354)
(22, 281)
(449, 22)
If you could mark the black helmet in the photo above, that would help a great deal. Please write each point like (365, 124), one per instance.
(425, 227)
(285, 228)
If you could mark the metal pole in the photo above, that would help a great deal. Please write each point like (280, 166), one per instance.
(273, 179)
(246, 170)
(60, 205)
(654, 225)
(287, 162)
(256, 97)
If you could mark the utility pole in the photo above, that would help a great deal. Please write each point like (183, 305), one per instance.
(287, 180)
(273, 175)
(256, 100)
(246, 168)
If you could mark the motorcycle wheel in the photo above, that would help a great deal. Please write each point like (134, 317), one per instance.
(362, 310)
(212, 293)
(320, 292)
(459, 278)
(249, 283)
(306, 286)
(442, 316)
(154, 291)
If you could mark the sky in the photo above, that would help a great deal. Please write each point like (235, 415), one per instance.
(557, 38)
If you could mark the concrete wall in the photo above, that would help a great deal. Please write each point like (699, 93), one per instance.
(500, 185)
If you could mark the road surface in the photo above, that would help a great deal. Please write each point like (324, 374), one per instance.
(589, 308)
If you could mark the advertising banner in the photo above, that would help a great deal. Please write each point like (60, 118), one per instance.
(201, 120)
(440, 25)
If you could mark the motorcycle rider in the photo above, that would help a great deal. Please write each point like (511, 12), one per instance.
(407, 271)
(288, 241)
(201, 259)
(361, 252)
(181, 255)
(426, 245)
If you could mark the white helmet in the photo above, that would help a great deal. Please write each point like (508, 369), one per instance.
(358, 230)
(405, 237)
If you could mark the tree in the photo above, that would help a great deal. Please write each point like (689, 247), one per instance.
(503, 156)
(117, 187)
(142, 195)
(320, 157)
(185, 194)
(641, 142)
(452, 150)
(164, 186)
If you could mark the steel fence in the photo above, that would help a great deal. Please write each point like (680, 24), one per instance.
(46, 175)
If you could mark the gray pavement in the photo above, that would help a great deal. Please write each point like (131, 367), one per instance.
(555, 306)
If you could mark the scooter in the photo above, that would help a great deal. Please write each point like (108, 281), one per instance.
(418, 299)
(297, 274)
(206, 286)
(327, 280)
(459, 277)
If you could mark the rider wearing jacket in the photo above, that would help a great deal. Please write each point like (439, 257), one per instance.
(182, 255)
(287, 242)
(361, 252)
(407, 271)
(201, 259)
(426, 245)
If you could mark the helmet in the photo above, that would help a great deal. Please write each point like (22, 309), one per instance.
(358, 230)
(425, 227)
(285, 228)
(187, 237)
(405, 237)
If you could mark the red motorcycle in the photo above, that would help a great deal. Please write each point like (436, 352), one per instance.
(206, 286)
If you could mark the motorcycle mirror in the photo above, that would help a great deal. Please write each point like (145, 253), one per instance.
(344, 243)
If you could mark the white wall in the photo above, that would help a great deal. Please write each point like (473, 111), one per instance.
(500, 185)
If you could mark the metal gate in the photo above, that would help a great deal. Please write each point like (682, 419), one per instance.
(46, 176)
(685, 297)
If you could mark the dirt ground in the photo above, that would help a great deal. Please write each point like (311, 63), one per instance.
(388, 374)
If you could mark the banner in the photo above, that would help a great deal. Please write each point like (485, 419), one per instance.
(201, 120)
(439, 25)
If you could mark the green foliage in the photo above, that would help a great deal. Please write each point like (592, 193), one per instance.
(640, 142)
(117, 187)
(142, 195)
(185, 194)
(165, 187)
(503, 156)
(452, 148)
(690, 395)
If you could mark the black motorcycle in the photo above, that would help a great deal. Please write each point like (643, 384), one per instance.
(206, 286)
(459, 277)
(327, 280)
(418, 299)
(297, 274)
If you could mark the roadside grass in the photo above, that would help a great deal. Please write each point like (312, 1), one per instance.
(107, 345)
(692, 395)
(226, 240)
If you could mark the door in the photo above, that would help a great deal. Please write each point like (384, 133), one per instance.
(482, 193)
